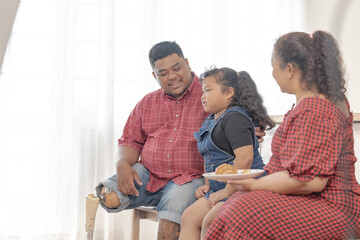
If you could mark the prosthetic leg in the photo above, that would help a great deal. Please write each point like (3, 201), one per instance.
(107, 197)
(92, 203)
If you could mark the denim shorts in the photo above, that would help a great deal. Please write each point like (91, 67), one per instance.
(170, 201)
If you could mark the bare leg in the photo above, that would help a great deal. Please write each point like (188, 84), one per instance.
(168, 230)
(111, 199)
(192, 219)
(209, 218)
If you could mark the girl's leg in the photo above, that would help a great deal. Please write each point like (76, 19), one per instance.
(192, 218)
(210, 216)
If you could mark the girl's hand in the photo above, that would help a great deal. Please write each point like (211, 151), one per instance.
(217, 196)
(242, 185)
(200, 192)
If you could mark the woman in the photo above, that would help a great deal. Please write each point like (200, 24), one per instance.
(310, 191)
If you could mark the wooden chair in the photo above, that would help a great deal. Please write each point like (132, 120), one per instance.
(139, 213)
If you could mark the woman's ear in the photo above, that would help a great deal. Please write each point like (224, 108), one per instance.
(290, 70)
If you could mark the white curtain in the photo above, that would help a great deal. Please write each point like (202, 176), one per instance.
(73, 71)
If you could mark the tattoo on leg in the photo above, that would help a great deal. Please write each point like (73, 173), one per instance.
(168, 230)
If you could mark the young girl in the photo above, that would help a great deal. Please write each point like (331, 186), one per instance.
(226, 136)
(310, 191)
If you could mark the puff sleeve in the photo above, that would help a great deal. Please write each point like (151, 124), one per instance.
(310, 145)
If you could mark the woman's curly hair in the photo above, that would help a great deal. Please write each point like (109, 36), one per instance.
(245, 94)
(318, 57)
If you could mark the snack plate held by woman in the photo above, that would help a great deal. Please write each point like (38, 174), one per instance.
(242, 174)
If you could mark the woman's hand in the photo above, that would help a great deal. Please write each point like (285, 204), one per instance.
(242, 185)
(200, 192)
(217, 196)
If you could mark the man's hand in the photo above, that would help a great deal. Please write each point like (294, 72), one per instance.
(260, 134)
(126, 176)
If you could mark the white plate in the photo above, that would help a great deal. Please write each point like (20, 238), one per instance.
(253, 173)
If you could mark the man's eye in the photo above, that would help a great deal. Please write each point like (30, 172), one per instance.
(162, 74)
(177, 69)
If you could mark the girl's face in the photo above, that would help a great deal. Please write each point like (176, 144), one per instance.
(214, 100)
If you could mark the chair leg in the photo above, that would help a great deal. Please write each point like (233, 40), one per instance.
(135, 234)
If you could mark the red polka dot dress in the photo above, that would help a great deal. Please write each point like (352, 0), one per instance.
(314, 139)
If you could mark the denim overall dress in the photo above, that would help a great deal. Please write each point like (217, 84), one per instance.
(214, 156)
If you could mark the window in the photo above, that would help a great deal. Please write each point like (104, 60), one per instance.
(74, 70)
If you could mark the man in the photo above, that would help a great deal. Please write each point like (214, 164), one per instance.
(158, 161)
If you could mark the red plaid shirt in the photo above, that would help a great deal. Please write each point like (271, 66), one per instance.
(161, 128)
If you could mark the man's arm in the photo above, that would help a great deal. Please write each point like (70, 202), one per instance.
(260, 134)
(127, 157)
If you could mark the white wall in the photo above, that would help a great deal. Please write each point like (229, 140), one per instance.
(8, 10)
(342, 19)
(351, 49)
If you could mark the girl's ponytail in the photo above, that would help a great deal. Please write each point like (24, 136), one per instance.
(245, 94)
(249, 98)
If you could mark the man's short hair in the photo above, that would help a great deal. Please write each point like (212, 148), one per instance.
(164, 49)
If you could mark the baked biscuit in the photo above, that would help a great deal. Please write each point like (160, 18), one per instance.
(225, 169)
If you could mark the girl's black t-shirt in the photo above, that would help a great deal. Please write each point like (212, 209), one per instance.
(233, 131)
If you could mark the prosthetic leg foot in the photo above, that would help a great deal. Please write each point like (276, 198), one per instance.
(92, 203)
